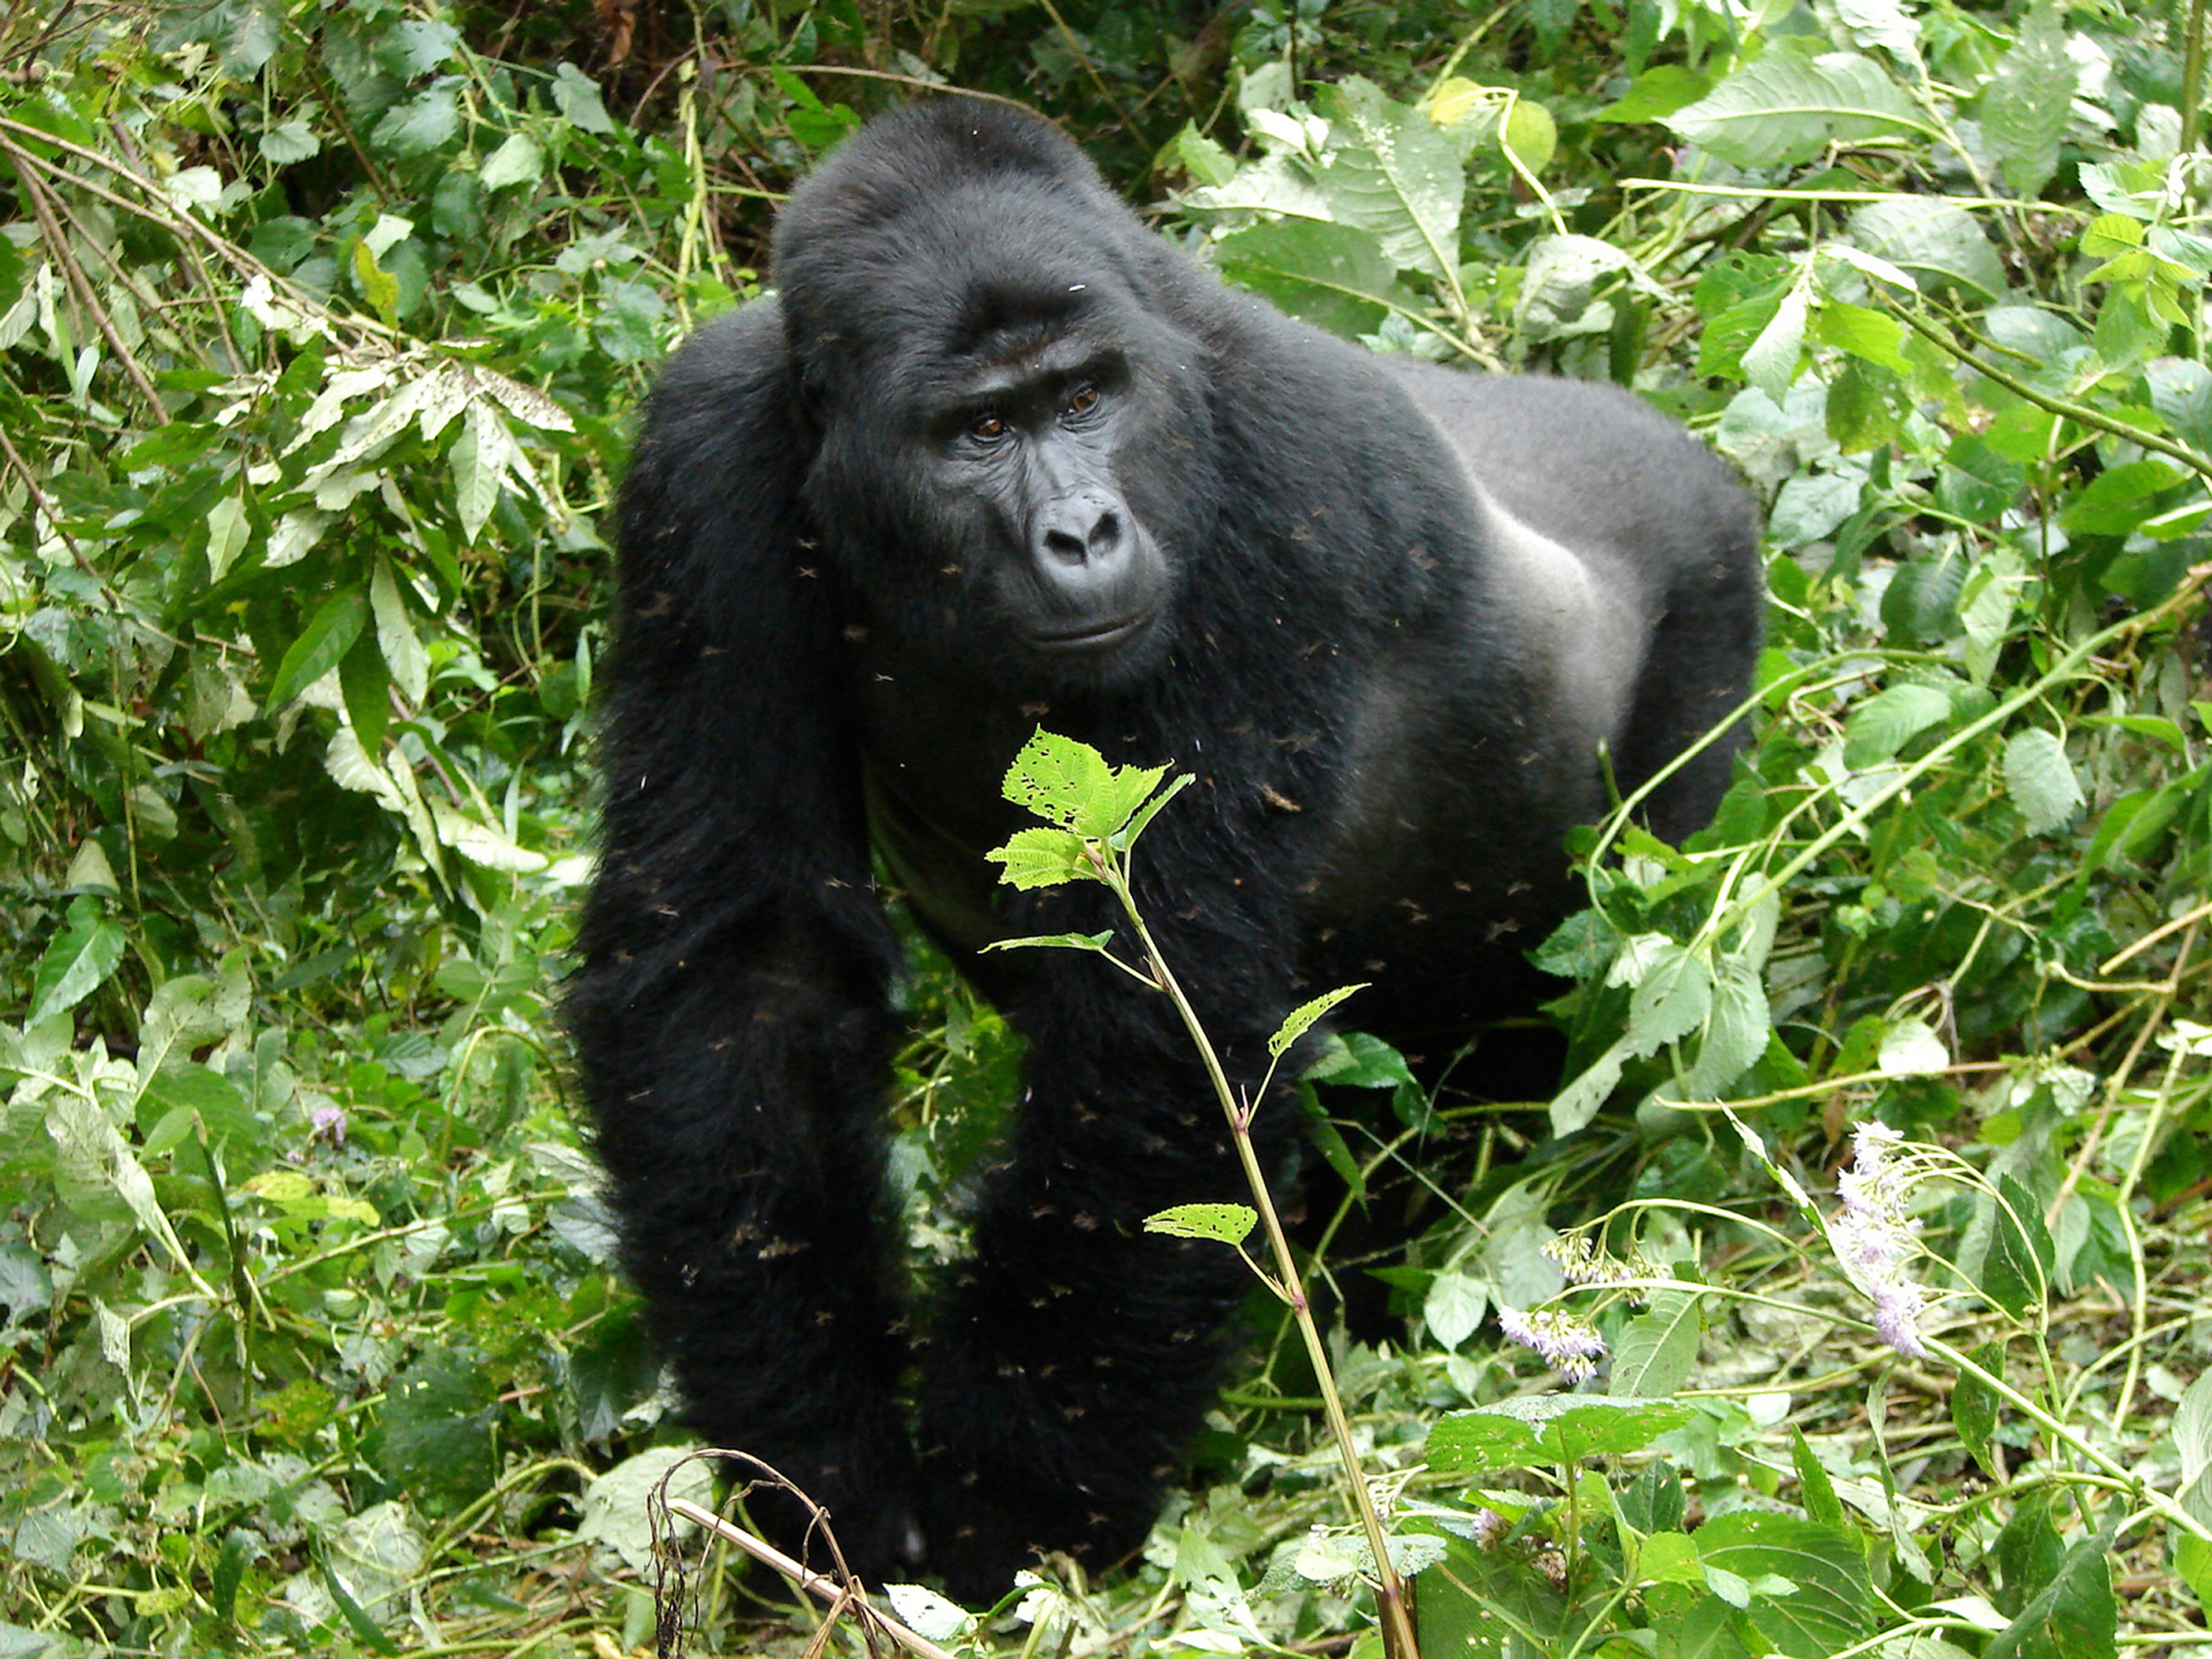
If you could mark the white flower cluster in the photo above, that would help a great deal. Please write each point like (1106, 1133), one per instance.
(1874, 1237)
(1570, 1344)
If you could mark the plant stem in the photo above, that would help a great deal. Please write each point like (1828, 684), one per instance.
(1394, 1615)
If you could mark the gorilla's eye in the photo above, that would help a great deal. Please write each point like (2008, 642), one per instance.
(987, 429)
(1083, 399)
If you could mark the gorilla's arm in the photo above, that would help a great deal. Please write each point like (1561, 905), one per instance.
(730, 1014)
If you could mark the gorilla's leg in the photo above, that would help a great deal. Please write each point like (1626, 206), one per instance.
(1075, 1355)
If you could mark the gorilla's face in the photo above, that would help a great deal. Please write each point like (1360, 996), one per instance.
(1013, 468)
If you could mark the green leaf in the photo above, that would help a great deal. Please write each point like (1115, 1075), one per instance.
(2027, 105)
(1655, 1352)
(1825, 1610)
(425, 124)
(1547, 1431)
(1042, 858)
(435, 1432)
(413, 46)
(1974, 1404)
(329, 635)
(355, 1614)
(1937, 240)
(289, 141)
(577, 97)
(1453, 1307)
(1230, 1223)
(2192, 1438)
(2117, 500)
(1887, 721)
(1815, 1490)
(1394, 173)
(2073, 1617)
(1100, 943)
(1736, 1031)
(1790, 105)
(77, 961)
(2008, 1250)
(1575, 1104)
(1657, 93)
(364, 687)
(1300, 1020)
(1332, 276)
(240, 1546)
(1070, 784)
(396, 637)
(2040, 780)
(1670, 1001)
(1529, 135)
(518, 160)
(1769, 362)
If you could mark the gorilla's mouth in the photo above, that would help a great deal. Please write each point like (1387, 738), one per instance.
(1094, 638)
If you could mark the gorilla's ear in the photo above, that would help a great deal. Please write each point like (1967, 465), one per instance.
(724, 729)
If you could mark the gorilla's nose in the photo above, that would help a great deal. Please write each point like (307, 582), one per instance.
(1082, 530)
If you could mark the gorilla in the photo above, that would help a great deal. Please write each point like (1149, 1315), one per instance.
(996, 456)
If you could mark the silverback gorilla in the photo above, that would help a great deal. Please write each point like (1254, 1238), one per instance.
(994, 456)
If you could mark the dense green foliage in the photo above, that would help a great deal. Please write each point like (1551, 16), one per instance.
(320, 326)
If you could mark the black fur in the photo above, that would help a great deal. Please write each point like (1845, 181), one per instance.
(999, 457)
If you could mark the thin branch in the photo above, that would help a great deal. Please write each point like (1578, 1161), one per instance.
(806, 1578)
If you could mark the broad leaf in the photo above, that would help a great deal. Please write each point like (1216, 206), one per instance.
(1790, 105)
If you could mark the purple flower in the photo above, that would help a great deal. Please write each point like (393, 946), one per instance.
(1490, 1528)
(1569, 1345)
(329, 1123)
(1873, 1236)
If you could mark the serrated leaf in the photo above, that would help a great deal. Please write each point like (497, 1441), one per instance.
(1789, 105)
(1070, 784)
(1300, 1020)
(425, 123)
(2028, 103)
(290, 142)
(2008, 1251)
(1547, 1431)
(329, 635)
(395, 636)
(1100, 943)
(477, 459)
(1229, 1223)
(1042, 858)
(1736, 1031)
(2040, 780)
(1671, 1002)
(1887, 721)
(1655, 1349)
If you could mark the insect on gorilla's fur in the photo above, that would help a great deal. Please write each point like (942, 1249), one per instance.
(997, 455)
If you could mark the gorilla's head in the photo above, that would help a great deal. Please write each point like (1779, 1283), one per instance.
(1014, 452)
